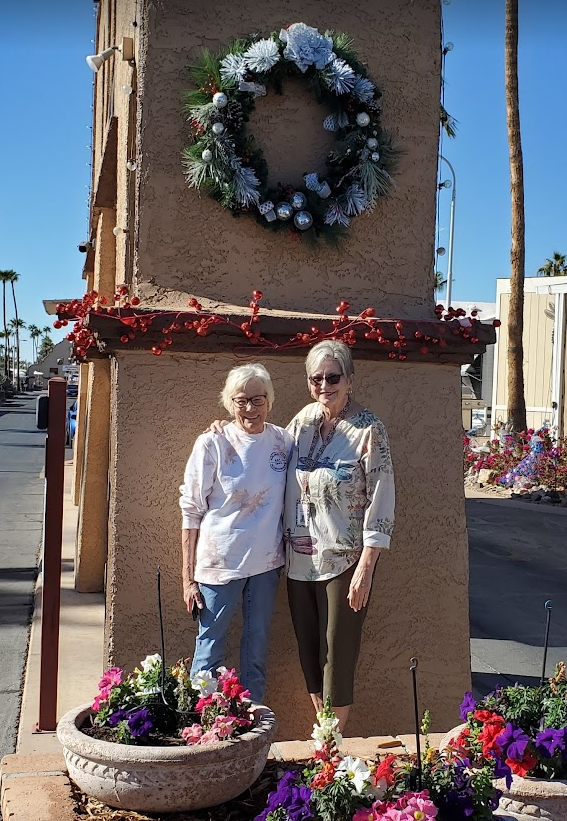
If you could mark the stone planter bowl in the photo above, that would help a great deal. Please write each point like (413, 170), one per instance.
(527, 798)
(164, 779)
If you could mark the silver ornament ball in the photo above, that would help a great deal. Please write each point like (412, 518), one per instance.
(298, 201)
(362, 119)
(220, 99)
(207, 155)
(217, 129)
(284, 211)
(372, 143)
(375, 156)
(303, 220)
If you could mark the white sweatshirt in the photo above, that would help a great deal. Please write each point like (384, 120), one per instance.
(233, 493)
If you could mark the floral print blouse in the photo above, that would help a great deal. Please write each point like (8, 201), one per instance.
(339, 501)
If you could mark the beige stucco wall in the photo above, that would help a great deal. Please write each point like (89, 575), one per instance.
(419, 604)
(186, 241)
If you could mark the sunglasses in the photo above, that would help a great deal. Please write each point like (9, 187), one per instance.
(330, 379)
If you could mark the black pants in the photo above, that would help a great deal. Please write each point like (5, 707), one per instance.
(328, 635)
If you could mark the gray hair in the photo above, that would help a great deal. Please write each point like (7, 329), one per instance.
(330, 349)
(237, 380)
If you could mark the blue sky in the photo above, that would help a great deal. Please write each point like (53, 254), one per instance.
(46, 96)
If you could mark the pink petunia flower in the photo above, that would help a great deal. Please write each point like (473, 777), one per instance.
(224, 726)
(112, 678)
(364, 814)
(210, 737)
(192, 734)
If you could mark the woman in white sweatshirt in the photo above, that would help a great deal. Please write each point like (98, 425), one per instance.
(232, 500)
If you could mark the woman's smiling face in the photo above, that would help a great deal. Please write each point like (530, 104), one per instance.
(329, 386)
(250, 417)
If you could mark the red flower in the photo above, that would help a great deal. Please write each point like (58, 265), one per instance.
(232, 687)
(324, 776)
(385, 770)
(202, 703)
(486, 715)
(488, 737)
(522, 767)
(323, 754)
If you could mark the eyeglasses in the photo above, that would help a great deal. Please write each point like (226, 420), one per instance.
(243, 402)
(330, 379)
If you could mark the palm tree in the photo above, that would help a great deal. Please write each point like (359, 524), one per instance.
(15, 326)
(34, 333)
(438, 282)
(46, 343)
(554, 267)
(5, 277)
(13, 279)
(516, 397)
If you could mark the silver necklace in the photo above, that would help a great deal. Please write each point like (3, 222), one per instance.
(310, 462)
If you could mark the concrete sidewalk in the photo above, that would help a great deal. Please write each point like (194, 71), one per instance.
(80, 643)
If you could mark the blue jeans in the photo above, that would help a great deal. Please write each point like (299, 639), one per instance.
(220, 602)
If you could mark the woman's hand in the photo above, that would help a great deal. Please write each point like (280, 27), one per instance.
(361, 582)
(217, 426)
(192, 596)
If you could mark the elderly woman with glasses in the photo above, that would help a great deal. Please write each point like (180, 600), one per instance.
(231, 501)
(338, 517)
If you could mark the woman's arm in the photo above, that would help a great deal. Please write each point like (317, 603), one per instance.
(379, 515)
(197, 485)
(191, 594)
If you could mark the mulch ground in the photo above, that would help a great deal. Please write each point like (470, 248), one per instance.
(243, 808)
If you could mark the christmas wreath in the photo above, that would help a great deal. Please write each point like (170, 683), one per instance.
(225, 160)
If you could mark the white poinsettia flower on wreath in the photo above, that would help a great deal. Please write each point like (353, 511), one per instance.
(204, 682)
(233, 68)
(262, 56)
(355, 770)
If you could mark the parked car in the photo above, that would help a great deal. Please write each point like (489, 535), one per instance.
(72, 389)
(70, 424)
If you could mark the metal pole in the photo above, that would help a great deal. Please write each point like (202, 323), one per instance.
(51, 565)
(413, 670)
(451, 231)
(548, 607)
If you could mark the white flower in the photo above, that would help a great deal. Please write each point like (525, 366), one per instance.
(306, 47)
(339, 76)
(262, 56)
(150, 662)
(363, 89)
(204, 682)
(355, 770)
(233, 68)
(326, 731)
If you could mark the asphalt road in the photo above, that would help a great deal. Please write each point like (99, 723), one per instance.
(518, 560)
(22, 449)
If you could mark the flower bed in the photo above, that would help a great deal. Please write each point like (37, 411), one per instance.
(333, 787)
(502, 458)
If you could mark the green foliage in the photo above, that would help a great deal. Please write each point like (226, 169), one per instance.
(521, 705)
(335, 802)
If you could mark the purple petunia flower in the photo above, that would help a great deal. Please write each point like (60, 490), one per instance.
(293, 798)
(468, 705)
(140, 723)
(550, 741)
(116, 718)
(513, 742)
(502, 770)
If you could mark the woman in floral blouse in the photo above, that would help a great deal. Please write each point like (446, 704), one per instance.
(338, 517)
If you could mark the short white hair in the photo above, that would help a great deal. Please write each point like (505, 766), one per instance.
(237, 380)
(330, 349)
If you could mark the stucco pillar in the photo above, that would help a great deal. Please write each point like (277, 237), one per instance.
(92, 531)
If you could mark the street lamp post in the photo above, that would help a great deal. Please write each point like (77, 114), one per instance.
(451, 231)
